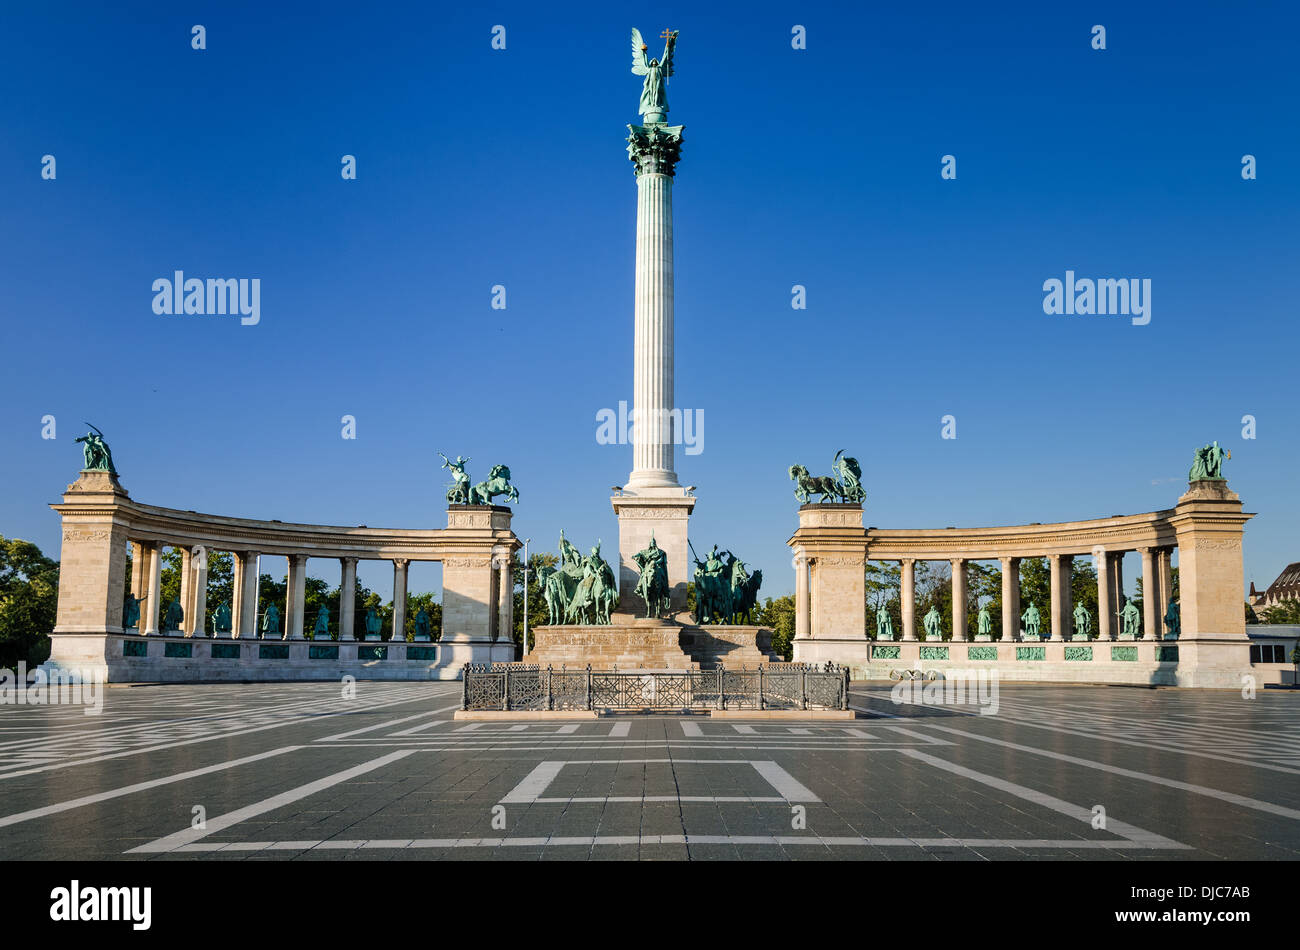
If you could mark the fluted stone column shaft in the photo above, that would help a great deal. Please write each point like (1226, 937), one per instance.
(802, 608)
(348, 600)
(1010, 598)
(1104, 626)
(245, 614)
(1117, 590)
(959, 599)
(907, 599)
(187, 588)
(295, 596)
(1150, 596)
(505, 601)
(652, 452)
(139, 566)
(149, 619)
(1165, 571)
(400, 564)
(198, 622)
(1060, 614)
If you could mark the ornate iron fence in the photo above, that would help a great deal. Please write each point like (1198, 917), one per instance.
(516, 686)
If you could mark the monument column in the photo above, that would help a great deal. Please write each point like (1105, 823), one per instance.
(959, 599)
(400, 564)
(1150, 595)
(907, 598)
(1010, 598)
(348, 600)
(149, 620)
(1060, 613)
(1104, 617)
(652, 503)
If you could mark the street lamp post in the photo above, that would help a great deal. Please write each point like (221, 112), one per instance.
(524, 648)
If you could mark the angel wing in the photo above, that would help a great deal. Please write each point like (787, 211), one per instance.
(640, 66)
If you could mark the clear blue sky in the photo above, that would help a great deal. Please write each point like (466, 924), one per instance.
(817, 167)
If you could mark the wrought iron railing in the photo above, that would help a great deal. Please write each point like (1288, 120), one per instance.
(516, 686)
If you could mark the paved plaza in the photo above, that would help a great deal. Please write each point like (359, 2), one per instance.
(296, 771)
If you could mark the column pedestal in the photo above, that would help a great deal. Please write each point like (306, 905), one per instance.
(664, 513)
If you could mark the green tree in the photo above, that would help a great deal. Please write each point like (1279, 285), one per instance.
(29, 597)
(778, 613)
(1286, 611)
(537, 614)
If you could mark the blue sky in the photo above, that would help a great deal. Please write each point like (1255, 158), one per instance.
(817, 167)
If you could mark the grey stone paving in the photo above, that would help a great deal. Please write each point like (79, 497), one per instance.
(283, 771)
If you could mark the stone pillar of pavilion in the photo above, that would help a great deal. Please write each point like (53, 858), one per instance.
(476, 536)
(92, 562)
(400, 565)
(1151, 595)
(959, 632)
(295, 595)
(348, 599)
(1213, 648)
(652, 502)
(1010, 599)
(139, 561)
(833, 538)
(1116, 590)
(907, 598)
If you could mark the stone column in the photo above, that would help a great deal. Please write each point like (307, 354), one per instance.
(139, 567)
(505, 599)
(1061, 619)
(1165, 571)
(1010, 599)
(907, 597)
(1105, 628)
(1117, 590)
(400, 564)
(348, 600)
(655, 154)
(197, 618)
(959, 599)
(243, 608)
(187, 588)
(802, 607)
(1150, 595)
(149, 617)
(295, 593)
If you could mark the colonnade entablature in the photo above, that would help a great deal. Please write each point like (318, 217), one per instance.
(100, 519)
(832, 547)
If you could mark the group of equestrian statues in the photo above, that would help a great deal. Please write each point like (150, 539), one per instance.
(581, 589)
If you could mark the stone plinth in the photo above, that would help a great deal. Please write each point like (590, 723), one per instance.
(646, 645)
(664, 513)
